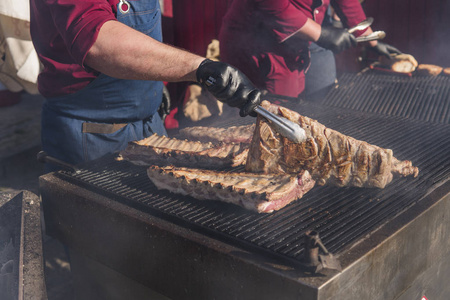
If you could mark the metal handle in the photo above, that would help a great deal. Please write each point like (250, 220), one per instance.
(285, 127)
(361, 26)
(44, 158)
(377, 35)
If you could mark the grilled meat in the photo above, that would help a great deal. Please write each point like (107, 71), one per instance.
(428, 70)
(330, 156)
(446, 71)
(257, 192)
(161, 150)
(233, 134)
(278, 171)
(402, 63)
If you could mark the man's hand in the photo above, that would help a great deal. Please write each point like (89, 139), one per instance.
(335, 39)
(384, 49)
(229, 85)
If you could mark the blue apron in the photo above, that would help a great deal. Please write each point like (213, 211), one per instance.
(104, 116)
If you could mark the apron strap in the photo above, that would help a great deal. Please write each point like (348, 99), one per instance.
(102, 128)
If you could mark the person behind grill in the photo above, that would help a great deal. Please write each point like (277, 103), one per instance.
(104, 64)
(270, 40)
(104, 67)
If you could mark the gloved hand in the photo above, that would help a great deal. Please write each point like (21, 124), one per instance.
(336, 39)
(164, 107)
(229, 85)
(384, 49)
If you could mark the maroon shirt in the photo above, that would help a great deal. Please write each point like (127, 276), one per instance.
(253, 30)
(63, 31)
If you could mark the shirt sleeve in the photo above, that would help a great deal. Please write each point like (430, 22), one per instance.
(350, 12)
(79, 22)
(285, 18)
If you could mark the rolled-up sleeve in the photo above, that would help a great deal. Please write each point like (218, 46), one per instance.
(286, 18)
(79, 22)
(351, 12)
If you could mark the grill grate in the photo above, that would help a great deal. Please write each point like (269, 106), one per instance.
(341, 215)
(420, 98)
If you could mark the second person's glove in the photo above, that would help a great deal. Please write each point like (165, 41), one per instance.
(384, 49)
(229, 85)
(336, 39)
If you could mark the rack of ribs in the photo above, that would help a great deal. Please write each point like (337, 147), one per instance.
(233, 134)
(277, 171)
(263, 193)
(330, 156)
(161, 150)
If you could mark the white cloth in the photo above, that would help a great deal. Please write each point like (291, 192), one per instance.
(19, 63)
(18, 9)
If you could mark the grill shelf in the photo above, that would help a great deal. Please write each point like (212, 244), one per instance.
(342, 216)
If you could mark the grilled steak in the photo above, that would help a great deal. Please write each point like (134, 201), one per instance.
(233, 134)
(161, 150)
(330, 156)
(257, 192)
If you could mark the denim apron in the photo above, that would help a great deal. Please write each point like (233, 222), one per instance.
(104, 116)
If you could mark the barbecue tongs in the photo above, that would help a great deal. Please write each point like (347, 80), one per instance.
(376, 35)
(283, 126)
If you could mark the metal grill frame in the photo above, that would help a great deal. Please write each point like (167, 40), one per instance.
(352, 243)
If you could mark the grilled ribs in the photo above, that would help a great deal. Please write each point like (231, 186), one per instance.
(277, 171)
(330, 156)
(233, 134)
(161, 150)
(258, 192)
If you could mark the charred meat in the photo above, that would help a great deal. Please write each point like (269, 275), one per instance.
(330, 156)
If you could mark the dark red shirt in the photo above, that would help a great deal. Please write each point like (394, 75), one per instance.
(284, 17)
(63, 31)
(253, 33)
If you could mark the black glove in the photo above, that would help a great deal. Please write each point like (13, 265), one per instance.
(336, 39)
(164, 107)
(384, 49)
(229, 85)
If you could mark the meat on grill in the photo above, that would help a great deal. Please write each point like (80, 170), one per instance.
(262, 193)
(233, 134)
(161, 150)
(278, 171)
(330, 156)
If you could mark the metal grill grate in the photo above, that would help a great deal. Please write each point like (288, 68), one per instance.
(420, 98)
(341, 215)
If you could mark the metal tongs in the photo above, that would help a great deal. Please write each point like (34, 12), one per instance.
(283, 126)
(361, 26)
(377, 35)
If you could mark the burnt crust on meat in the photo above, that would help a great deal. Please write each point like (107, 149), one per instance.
(330, 156)
(262, 193)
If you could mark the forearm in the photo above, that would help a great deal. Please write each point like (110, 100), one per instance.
(310, 31)
(125, 53)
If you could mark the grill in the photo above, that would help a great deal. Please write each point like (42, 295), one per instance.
(384, 110)
(420, 98)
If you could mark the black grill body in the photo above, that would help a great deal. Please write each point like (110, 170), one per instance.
(388, 241)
